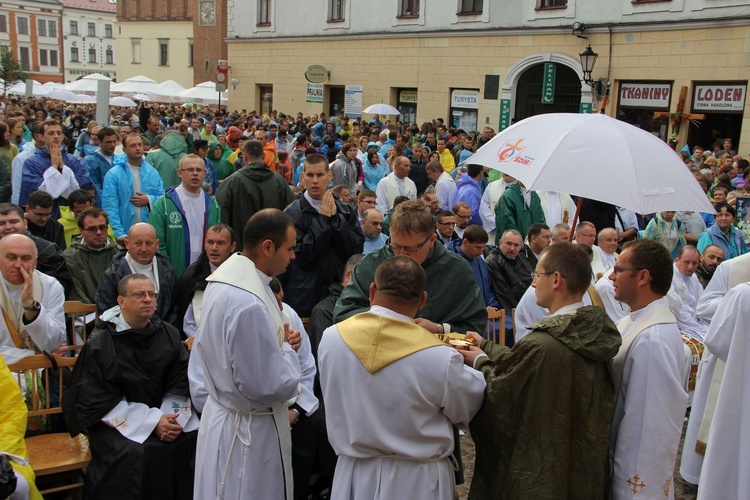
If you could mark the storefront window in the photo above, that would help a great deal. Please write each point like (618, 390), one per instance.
(464, 109)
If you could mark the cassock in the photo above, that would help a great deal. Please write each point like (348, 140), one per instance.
(729, 273)
(123, 382)
(725, 468)
(683, 299)
(250, 374)
(389, 410)
(651, 403)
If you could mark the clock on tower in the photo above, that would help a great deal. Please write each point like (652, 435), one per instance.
(207, 13)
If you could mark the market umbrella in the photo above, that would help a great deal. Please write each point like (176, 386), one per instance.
(597, 157)
(204, 93)
(86, 98)
(141, 97)
(140, 83)
(381, 109)
(37, 89)
(88, 83)
(52, 85)
(63, 95)
(122, 101)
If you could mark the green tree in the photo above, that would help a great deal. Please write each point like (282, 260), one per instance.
(10, 70)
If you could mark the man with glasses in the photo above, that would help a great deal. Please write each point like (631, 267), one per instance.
(365, 201)
(559, 376)
(454, 301)
(89, 257)
(445, 227)
(462, 216)
(129, 394)
(372, 226)
(183, 214)
(39, 219)
(585, 234)
(649, 374)
(142, 257)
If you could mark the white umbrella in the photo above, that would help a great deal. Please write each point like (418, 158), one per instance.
(37, 89)
(52, 85)
(141, 97)
(204, 93)
(88, 83)
(597, 157)
(381, 109)
(86, 98)
(140, 83)
(122, 101)
(63, 95)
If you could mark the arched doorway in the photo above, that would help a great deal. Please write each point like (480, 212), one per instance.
(529, 92)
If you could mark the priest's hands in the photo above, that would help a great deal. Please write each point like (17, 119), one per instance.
(471, 355)
(168, 429)
(27, 292)
(328, 207)
(474, 335)
(293, 337)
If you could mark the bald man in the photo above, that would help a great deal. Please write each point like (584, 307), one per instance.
(605, 254)
(32, 302)
(142, 257)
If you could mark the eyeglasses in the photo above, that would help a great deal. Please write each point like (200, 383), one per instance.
(617, 269)
(446, 223)
(43, 216)
(143, 295)
(535, 276)
(398, 248)
(96, 229)
(464, 217)
(193, 170)
(587, 235)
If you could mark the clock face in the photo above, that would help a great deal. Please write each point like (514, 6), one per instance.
(207, 13)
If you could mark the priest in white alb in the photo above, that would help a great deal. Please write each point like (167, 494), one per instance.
(392, 391)
(649, 373)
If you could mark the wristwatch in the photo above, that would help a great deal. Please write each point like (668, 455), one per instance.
(35, 306)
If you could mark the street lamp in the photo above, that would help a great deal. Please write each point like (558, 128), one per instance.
(588, 60)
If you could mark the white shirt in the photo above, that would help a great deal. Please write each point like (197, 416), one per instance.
(195, 209)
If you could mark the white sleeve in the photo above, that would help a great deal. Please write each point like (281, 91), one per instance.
(485, 212)
(135, 421)
(17, 177)
(528, 312)
(198, 392)
(180, 406)
(48, 328)
(616, 310)
(189, 325)
(58, 183)
(306, 398)
(464, 390)
(715, 291)
(381, 199)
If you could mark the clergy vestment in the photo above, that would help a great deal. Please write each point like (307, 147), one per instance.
(389, 408)
(250, 374)
(529, 312)
(651, 402)
(729, 273)
(683, 298)
(123, 382)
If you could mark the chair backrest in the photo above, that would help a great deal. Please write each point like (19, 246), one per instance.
(74, 310)
(33, 365)
(496, 326)
(189, 343)
(513, 320)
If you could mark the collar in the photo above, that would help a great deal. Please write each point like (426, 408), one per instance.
(569, 309)
(388, 313)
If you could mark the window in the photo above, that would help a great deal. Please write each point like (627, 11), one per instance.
(92, 54)
(53, 58)
(107, 31)
(163, 52)
(92, 29)
(73, 27)
(41, 25)
(74, 54)
(409, 8)
(52, 28)
(336, 10)
(3, 24)
(135, 51)
(109, 55)
(25, 60)
(190, 53)
(551, 4)
(23, 25)
(471, 7)
(43, 58)
(264, 12)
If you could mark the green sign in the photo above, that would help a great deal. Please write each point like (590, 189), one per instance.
(504, 114)
(585, 107)
(314, 93)
(548, 83)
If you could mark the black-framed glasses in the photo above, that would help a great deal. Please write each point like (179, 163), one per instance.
(143, 295)
(617, 269)
(398, 248)
(46, 215)
(535, 276)
(97, 229)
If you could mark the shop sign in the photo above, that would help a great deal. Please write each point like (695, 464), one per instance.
(548, 83)
(585, 108)
(408, 96)
(725, 96)
(353, 100)
(465, 99)
(645, 95)
(316, 73)
(314, 93)
(504, 114)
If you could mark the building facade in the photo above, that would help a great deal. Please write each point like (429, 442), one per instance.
(478, 63)
(209, 32)
(155, 38)
(31, 30)
(89, 28)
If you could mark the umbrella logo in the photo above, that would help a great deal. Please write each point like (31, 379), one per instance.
(510, 151)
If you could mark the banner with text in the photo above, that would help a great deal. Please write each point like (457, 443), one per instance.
(314, 93)
(504, 114)
(548, 83)
(353, 100)
(654, 96)
(723, 96)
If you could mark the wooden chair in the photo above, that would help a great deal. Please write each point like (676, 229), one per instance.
(75, 309)
(53, 457)
(189, 343)
(513, 320)
(496, 326)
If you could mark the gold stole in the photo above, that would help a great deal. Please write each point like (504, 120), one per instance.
(595, 299)
(13, 322)
(378, 341)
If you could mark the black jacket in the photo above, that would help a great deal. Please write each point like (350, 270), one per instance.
(106, 293)
(509, 278)
(321, 317)
(527, 255)
(51, 261)
(52, 231)
(192, 279)
(324, 244)
(418, 174)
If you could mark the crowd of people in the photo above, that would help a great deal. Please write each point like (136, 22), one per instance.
(319, 268)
